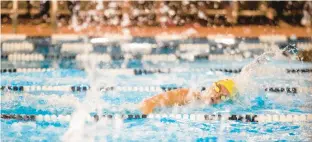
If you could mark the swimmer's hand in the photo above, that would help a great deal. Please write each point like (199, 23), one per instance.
(169, 98)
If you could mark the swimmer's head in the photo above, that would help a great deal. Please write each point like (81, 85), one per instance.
(228, 84)
(220, 91)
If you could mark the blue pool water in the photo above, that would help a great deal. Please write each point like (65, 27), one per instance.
(253, 100)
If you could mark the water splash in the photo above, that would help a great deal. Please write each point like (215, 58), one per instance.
(245, 83)
(75, 131)
(91, 103)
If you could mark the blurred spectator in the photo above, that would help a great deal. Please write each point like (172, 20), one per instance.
(165, 13)
(170, 13)
(43, 14)
(6, 6)
(256, 12)
(293, 12)
(44, 9)
(278, 6)
(307, 14)
(143, 13)
(305, 55)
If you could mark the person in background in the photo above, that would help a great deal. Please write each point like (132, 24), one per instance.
(221, 90)
(307, 14)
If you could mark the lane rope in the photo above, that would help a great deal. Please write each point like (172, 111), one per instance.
(194, 117)
(13, 70)
(10, 47)
(273, 38)
(142, 71)
(25, 57)
(84, 88)
(76, 48)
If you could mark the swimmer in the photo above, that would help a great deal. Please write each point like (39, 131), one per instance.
(221, 90)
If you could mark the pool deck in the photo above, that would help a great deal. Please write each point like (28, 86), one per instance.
(193, 31)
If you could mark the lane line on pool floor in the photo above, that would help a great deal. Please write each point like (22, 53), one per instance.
(84, 88)
(193, 117)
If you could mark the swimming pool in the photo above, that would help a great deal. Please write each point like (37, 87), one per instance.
(53, 95)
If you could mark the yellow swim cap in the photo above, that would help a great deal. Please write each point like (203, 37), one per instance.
(229, 84)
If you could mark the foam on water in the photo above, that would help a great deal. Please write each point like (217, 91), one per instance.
(53, 102)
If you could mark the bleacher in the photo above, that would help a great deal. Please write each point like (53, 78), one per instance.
(155, 13)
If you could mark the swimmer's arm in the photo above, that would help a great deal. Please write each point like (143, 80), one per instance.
(169, 98)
